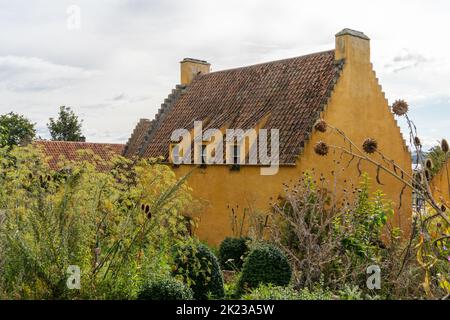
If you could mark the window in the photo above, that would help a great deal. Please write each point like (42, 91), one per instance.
(236, 159)
(203, 157)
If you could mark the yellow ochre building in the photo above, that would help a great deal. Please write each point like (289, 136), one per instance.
(338, 86)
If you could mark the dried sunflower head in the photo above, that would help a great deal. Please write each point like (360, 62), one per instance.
(444, 146)
(370, 145)
(400, 107)
(321, 148)
(320, 125)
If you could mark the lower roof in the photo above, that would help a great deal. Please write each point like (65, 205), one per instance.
(58, 151)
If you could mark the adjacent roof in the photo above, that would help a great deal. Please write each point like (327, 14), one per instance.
(56, 151)
(291, 93)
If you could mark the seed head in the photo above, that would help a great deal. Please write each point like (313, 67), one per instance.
(370, 145)
(417, 142)
(321, 148)
(400, 107)
(147, 211)
(444, 146)
(429, 164)
(321, 125)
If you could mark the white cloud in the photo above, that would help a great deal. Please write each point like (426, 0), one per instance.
(123, 61)
(35, 74)
(405, 60)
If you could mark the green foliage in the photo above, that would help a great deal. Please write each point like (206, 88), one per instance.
(164, 288)
(438, 159)
(270, 292)
(231, 286)
(200, 270)
(79, 216)
(362, 227)
(15, 129)
(67, 127)
(316, 293)
(232, 252)
(338, 241)
(265, 264)
(350, 293)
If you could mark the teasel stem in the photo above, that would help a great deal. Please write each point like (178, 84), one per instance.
(342, 134)
(426, 196)
(446, 171)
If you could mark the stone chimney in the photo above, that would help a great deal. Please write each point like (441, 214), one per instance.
(353, 46)
(191, 68)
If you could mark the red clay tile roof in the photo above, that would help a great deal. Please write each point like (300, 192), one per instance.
(137, 138)
(55, 151)
(292, 92)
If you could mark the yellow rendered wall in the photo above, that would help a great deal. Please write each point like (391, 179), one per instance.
(440, 185)
(190, 69)
(358, 107)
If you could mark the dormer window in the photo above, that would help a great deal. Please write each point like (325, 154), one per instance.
(236, 158)
(203, 155)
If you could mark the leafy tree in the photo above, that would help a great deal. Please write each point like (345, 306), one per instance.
(14, 129)
(67, 127)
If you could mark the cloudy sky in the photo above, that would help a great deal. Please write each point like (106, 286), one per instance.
(122, 60)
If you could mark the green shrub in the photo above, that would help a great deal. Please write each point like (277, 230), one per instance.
(270, 292)
(165, 289)
(265, 264)
(232, 252)
(88, 218)
(200, 270)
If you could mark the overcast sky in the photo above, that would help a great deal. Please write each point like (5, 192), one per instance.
(124, 59)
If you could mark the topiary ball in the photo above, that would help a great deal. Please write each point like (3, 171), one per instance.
(199, 268)
(165, 289)
(265, 264)
(232, 252)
